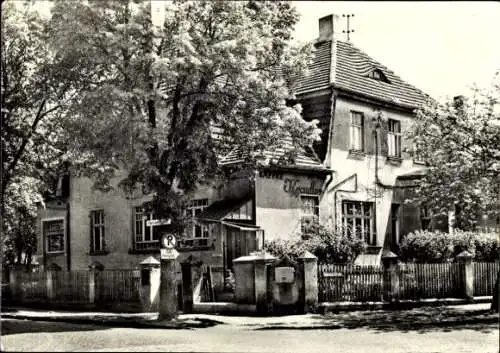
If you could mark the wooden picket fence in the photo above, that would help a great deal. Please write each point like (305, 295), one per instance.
(416, 281)
(31, 285)
(73, 287)
(485, 275)
(350, 283)
(117, 285)
(438, 280)
(70, 286)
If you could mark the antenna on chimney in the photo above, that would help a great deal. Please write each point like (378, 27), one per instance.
(349, 30)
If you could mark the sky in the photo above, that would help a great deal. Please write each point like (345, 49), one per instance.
(440, 47)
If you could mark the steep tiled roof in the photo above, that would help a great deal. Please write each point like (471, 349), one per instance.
(351, 69)
(318, 75)
(304, 159)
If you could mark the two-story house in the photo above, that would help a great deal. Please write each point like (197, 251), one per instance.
(353, 181)
(364, 109)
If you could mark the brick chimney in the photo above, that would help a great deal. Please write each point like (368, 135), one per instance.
(327, 27)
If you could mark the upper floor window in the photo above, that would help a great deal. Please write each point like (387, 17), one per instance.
(309, 210)
(358, 218)
(147, 229)
(394, 138)
(53, 233)
(196, 230)
(97, 231)
(357, 132)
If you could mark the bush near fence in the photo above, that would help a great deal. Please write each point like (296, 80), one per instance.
(416, 281)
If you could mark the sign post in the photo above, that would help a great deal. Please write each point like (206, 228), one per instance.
(168, 280)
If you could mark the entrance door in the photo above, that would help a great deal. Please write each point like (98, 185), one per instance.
(239, 243)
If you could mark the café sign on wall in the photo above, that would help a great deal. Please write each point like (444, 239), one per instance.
(293, 186)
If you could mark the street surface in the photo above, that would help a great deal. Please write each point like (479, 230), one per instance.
(26, 335)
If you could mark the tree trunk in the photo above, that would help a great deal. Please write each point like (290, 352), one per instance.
(494, 303)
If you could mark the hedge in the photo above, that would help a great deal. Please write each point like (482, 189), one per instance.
(425, 246)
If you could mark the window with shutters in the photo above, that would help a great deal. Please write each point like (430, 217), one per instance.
(97, 231)
(357, 132)
(394, 138)
(358, 218)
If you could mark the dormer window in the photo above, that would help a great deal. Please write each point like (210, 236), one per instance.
(378, 75)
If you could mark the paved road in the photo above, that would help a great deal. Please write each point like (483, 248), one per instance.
(24, 335)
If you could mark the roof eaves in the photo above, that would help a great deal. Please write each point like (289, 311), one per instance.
(387, 101)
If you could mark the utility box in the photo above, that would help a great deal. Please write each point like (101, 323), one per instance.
(284, 274)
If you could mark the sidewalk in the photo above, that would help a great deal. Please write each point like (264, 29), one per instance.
(450, 315)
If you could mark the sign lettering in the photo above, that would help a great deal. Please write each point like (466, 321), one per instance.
(293, 187)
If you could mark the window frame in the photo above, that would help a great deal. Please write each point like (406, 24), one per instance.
(316, 207)
(102, 227)
(144, 217)
(191, 238)
(396, 136)
(425, 216)
(46, 238)
(361, 131)
(417, 158)
(372, 236)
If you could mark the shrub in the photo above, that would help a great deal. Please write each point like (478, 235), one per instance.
(426, 246)
(328, 244)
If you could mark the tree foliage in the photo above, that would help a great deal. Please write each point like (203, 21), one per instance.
(33, 99)
(154, 95)
(460, 142)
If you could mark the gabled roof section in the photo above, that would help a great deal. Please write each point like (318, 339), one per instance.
(348, 68)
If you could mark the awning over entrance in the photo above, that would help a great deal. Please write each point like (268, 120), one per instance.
(220, 209)
(247, 227)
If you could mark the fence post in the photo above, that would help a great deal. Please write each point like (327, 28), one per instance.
(466, 274)
(309, 269)
(50, 284)
(391, 275)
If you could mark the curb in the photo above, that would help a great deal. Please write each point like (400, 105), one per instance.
(327, 307)
(126, 323)
(191, 325)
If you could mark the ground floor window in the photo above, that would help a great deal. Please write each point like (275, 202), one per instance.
(309, 212)
(425, 217)
(358, 217)
(147, 229)
(97, 231)
(53, 233)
